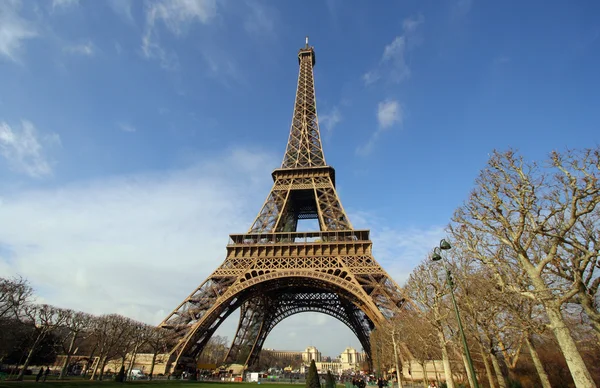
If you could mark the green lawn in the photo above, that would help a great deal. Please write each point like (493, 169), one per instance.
(138, 384)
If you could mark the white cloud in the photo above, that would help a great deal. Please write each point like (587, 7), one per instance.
(13, 29)
(398, 250)
(87, 49)
(23, 148)
(139, 244)
(260, 20)
(122, 8)
(330, 119)
(125, 127)
(461, 8)
(64, 3)
(135, 245)
(389, 112)
(371, 77)
(393, 65)
(177, 16)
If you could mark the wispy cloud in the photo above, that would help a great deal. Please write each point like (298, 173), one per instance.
(330, 119)
(371, 77)
(64, 3)
(86, 49)
(24, 149)
(13, 29)
(389, 113)
(460, 8)
(122, 8)
(177, 16)
(125, 127)
(138, 231)
(393, 65)
(398, 249)
(260, 20)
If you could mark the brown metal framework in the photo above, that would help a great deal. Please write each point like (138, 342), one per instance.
(274, 271)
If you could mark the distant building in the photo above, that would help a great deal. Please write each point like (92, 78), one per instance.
(351, 356)
(311, 353)
(349, 361)
(284, 354)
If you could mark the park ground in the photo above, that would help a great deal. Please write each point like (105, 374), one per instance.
(139, 384)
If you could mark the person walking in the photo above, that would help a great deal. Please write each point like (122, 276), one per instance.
(40, 373)
(380, 382)
(46, 373)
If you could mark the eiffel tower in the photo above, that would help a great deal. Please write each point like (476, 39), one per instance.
(273, 271)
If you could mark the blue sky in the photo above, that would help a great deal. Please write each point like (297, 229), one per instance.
(136, 135)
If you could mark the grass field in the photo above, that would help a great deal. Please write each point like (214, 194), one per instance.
(139, 384)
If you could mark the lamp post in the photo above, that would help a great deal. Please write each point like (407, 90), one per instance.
(437, 256)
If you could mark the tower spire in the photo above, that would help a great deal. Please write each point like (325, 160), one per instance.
(304, 148)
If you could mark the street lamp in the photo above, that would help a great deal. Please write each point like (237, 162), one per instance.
(437, 256)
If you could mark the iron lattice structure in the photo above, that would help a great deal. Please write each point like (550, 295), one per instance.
(273, 271)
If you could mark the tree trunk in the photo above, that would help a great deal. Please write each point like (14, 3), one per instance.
(579, 372)
(398, 365)
(30, 354)
(424, 367)
(447, 369)
(133, 356)
(486, 364)
(102, 366)
(90, 360)
(467, 371)
(538, 364)
(95, 367)
(63, 370)
(152, 365)
(437, 377)
(496, 365)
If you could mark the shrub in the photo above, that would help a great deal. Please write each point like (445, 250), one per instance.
(329, 380)
(312, 379)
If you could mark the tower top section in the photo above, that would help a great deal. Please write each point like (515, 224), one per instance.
(304, 148)
(307, 51)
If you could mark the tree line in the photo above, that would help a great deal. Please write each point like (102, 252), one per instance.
(524, 269)
(34, 334)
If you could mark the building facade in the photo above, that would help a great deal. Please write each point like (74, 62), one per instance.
(349, 360)
(311, 353)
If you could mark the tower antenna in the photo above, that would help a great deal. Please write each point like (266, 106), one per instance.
(307, 41)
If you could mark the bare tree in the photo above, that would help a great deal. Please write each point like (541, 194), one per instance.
(397, 332)
(15, 293)
(111, 333)
(139, 336)
(215, 350)
(44, 319)
(157, 342)
(421, 340)
(382, 350)
(543, 227)
(76, 323)
(427, 289)
(14, 296)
